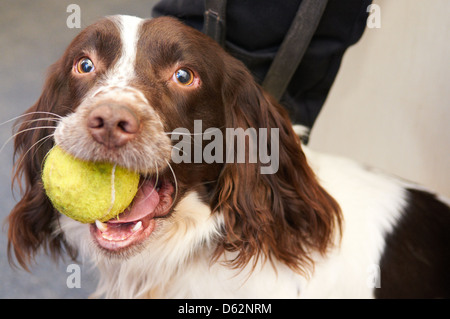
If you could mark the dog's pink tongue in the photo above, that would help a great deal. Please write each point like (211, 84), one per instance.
(144, 204)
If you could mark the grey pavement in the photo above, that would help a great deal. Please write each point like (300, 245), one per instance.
(33, 35)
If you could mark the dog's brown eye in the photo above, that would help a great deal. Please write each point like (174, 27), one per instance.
(184, 76)
(85, 65)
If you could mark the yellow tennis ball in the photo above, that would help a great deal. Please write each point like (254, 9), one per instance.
(86, 191)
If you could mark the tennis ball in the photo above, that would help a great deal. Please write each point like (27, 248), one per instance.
(86, 191)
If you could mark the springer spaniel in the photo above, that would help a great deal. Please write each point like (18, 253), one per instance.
(316, 227)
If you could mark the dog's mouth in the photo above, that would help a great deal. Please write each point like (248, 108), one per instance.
(154, 199)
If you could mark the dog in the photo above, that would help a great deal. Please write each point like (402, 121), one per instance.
(317, 226)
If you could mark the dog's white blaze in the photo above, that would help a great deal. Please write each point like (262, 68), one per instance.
(123, 71)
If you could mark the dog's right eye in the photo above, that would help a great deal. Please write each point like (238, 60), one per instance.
(85, 65)
(184, 76)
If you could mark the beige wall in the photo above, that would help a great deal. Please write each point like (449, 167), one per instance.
(390, 105)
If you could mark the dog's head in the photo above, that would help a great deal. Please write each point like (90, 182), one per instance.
(161, 98)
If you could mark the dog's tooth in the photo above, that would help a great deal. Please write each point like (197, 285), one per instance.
(107, 236)
(137, 226)
(101, 226)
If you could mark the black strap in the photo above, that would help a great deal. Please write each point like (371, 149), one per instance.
(293, 46)
(214, 26)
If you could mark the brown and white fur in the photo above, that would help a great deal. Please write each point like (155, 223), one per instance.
(320, 227)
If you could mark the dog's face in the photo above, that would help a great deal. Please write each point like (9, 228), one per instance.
(133, 82)
(118, 94)
(158, 72)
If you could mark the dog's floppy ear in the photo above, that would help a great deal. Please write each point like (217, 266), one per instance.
(283, 214)
(31, 220)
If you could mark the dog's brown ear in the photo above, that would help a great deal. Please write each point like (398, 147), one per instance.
(283, 214)
(32, 219)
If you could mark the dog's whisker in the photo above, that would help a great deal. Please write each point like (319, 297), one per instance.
(23, 131)
(179, 149)
(155, 183)
(176, 184)
(195, 134)
(183, 133)
(49, 119)
(157, 175)
(33, 128)
(28, 114)
(42, 140)
(190, 134)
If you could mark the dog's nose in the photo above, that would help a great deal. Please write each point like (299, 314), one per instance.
(112, 125)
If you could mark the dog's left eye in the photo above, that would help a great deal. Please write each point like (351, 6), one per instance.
(85, 65)
(184, 76)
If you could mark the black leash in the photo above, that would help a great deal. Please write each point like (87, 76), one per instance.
(292, 48)
(214, 26)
